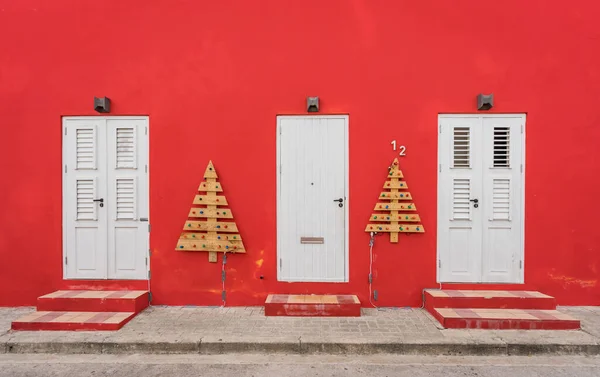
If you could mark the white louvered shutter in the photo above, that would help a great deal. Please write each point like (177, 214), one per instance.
(126, 148)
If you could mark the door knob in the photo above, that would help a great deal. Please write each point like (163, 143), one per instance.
(101, 201)
(340, 200)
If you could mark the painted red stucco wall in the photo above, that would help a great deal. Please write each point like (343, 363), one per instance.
(213, 75)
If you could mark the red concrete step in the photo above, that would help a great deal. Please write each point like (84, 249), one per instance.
(94, 301)
(435, 298)
(312, 305)
(60, 320)
(505, 319)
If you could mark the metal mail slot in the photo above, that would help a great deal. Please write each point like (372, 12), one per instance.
(312, 240)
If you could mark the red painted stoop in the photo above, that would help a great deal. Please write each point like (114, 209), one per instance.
(312, 305)
(84, 310)
(499, 310)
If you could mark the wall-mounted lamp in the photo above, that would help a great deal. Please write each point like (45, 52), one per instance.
(485, 101)
(312, 104)
(102, 104)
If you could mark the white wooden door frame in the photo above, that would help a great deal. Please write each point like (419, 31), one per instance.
(346, 189)
(64, 119)
(521, 116)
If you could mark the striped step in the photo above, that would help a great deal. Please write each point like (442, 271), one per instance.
(435, 298)
(312, 305)
(63, 320)
(505, 319)
(94, 301)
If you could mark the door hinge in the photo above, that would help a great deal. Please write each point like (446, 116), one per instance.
(66, 260)
(440, 168)
(520, 265)
(521, 128)
(149, 252)
(440, 128)
(146, 130)
(279, 169)
(280, 130)
(149, 296)
(65, 131)
(149, 274)
(439, 263)
(146, 168)
(149, 228)
(146, 261)
(280, 264)
(521, 168)
(65, 168)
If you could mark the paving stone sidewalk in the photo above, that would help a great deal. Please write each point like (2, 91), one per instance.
(246, 329)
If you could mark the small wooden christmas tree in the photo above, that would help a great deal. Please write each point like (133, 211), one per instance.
(391, 216)
(214, 234)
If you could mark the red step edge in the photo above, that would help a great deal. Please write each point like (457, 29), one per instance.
(63, 326)
(312, 310)
(67, 304)
(509, 324)
(543, 303)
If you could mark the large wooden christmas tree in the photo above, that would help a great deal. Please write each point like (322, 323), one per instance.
(215, 232)
(395, 211)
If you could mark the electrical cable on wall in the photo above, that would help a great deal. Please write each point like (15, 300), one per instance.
(371, 244)
(223, 295)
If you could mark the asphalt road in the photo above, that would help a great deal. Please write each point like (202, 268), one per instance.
(295, 365)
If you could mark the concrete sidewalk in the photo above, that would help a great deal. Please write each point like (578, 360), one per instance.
(165, 330)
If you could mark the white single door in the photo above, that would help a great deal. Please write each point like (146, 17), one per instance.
(480, 198)
(105, 197)
(312, 198)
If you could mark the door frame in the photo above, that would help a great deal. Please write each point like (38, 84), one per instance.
(65, 118)
(346, 119)
(523, 117)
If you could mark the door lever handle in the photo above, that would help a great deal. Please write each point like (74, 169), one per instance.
(474, 200)
(101, 201)
(340, 200)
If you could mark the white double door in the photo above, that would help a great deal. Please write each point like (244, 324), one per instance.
(105, 197)
(312, 198)
(480, 198)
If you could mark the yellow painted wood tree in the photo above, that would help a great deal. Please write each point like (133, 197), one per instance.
(395, 212)
(209, 226)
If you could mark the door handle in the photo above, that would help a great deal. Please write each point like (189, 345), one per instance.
(143, 219)
(340, 200)
(101, 201)
(475, 202)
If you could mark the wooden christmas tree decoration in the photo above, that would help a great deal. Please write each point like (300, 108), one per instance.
(395, 214)
(215, 233)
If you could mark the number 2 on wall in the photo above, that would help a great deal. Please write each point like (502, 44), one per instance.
(402, 148)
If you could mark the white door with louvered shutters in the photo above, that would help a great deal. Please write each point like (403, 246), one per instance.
(105, 197)
(480, 198)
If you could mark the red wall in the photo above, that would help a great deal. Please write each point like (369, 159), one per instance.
(213, 75)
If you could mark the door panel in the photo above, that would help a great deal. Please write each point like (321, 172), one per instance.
(105, 158)
(312, 174)
(459, 237)
(128, 183)
(480, 158)
(502, 199)
(84, 181)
